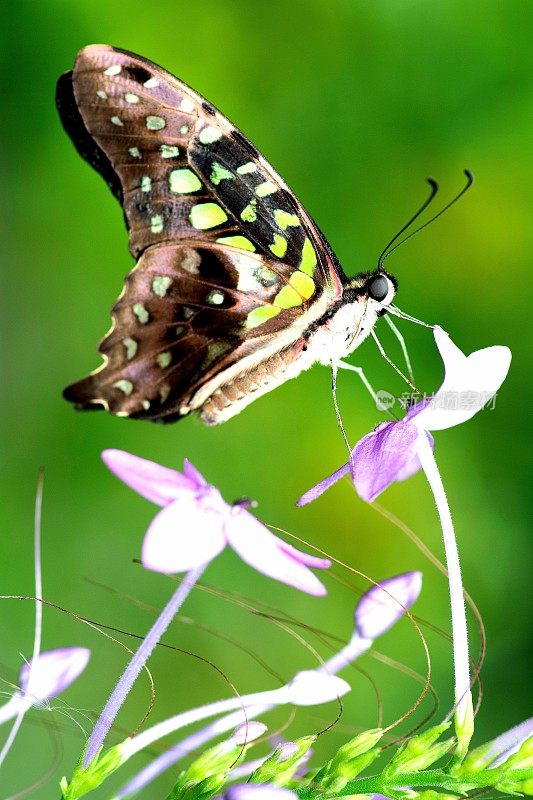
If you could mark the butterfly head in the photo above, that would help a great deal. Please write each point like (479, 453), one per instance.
(380, 290)
(376, 290)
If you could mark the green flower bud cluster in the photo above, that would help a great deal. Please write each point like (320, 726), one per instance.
(420, 751)
(207, 775)
(281, 766)
(84, 780)
(349, 761)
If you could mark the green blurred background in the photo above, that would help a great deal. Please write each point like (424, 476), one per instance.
(354, 103)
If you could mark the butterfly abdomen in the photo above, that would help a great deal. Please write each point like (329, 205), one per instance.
(238, 392)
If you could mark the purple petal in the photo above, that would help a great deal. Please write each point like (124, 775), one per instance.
(248, 731)
(264, 552)
(414, 410)
(158, 484)
(509, 742)
(381, 456)
(53, 672)
(183, 535)
(321, 487)
(304, 558)
(413, 465)
(193, 474)
(384, 604)
(259, 791)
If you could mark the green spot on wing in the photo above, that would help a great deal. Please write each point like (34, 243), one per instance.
(183, 181)
(288, 298)
(124, 386)
(220, 173)
(169, 151)
(260, 315)
(284, 219)
(249, 212)
(130, 346)
(164, 359)
(303, 284)
(141, 313)
(155, 123)
(160, 285)
(207, 215)
(308, 262)
(265, 188)
(210, 134)
(279, 245)
(246, 169)
(237, 241)
(156, 223)
(146, 183)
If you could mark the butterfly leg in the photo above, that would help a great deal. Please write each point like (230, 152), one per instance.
(392, 364)
(343, 365)
(405, 352)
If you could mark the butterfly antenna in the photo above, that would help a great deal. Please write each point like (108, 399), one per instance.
(434, 189)
(466, 187)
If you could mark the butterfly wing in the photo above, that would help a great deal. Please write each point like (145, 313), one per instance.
(194, 192)
(187, 314)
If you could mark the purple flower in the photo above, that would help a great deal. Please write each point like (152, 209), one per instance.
(195, 525)
(51, 674)
(389, 453)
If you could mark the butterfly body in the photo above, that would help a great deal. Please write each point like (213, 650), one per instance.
(235, 289)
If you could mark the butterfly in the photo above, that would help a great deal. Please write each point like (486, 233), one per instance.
(235, 289)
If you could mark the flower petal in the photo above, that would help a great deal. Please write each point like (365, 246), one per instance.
(303, 558)
(321, 487)
(159, 484)
(267, 554)
(381, 456)
(183, 535)
(384, 604)
(413, 465)
(509, 742)
(193, 474)
(248, 731)
(469, 383)
(53, 672)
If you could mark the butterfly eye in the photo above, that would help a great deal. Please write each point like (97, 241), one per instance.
(378, 288)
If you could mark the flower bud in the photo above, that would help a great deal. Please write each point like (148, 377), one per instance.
(52, 672)
(384, 604)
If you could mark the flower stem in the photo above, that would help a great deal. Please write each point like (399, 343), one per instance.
(132, 671)
(463, 717)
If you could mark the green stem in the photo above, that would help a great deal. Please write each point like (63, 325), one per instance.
(434, 779)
